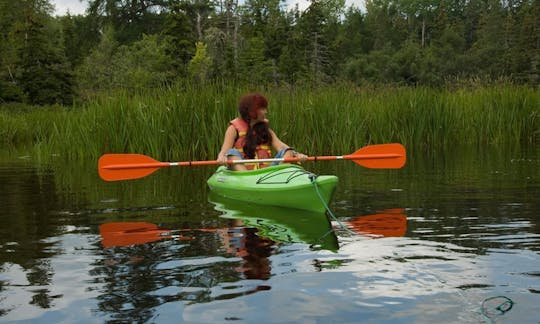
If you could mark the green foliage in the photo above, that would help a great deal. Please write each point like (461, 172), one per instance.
(143, 64)
(180, 39)
(187, 122)
(45, 75)
(80, 36)
(129, 19)
(487, 52)
(404, 42)
(254, 68)
(199, 66)
(95, 74)
(33, 65)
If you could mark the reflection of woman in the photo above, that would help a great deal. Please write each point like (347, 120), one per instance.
(257, 263)
(244, 242)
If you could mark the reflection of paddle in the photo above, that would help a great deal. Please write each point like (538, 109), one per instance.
(386, 223)
(132, 233)
(137, 233)
(114, 167)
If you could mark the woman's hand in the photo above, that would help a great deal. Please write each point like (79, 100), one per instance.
(293, 154)
(302, 157)
(222, 158)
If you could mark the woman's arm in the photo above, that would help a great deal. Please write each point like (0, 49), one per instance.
(277, 144)
(228, 143)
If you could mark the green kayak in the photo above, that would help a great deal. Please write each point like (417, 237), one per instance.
(283, 185)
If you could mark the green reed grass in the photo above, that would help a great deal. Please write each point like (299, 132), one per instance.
(187, 122)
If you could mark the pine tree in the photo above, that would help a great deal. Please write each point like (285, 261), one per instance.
(253, 65)
(45, 74)
(180, 39)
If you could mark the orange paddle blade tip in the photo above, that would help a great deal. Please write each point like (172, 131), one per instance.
(381, 156)
(114, 167)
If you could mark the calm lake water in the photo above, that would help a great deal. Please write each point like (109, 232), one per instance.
(452, 237)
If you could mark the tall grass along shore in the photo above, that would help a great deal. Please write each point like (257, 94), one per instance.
(188, 122)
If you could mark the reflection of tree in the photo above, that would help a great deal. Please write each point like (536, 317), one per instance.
(29, 197)
(126, 276)
(138, 278)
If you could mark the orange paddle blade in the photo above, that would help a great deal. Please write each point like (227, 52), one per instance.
(380, 156)
(112, 167)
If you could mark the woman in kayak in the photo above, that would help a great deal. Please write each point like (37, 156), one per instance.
(250, 137)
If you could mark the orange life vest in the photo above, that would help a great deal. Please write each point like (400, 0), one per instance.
(262, 151)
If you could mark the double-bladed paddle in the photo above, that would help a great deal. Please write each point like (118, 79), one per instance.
(114, 167)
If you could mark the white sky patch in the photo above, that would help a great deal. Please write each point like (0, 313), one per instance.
(78, 7)
(303, 4)
(75, 7)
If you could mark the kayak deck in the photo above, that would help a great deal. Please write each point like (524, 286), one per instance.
(284, 185)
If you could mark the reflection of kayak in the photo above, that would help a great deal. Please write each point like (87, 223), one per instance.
(386, 223)
(284, 185)
(280, 224)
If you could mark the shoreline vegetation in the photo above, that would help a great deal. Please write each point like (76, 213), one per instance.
(187, 122)
(163, 78)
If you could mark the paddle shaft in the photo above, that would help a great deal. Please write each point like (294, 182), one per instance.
(242, 161)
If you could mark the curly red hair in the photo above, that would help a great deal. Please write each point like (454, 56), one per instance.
(250, 103)
(260, 132)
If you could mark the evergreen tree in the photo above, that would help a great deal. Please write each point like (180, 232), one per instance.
(253, 66)
(523, 57)
(488, 51)
(317, 37)
(130, 19)
(10, 20)
(180, 39)
(215, 44)
(266, 20)
(80, 36)
(292, 64)
(45, 75)
(198, 11)
(96, 73)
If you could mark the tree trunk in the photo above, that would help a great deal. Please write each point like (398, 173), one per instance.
(423, 32)
(199, 28)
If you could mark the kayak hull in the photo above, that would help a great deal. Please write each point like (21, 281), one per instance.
(284, 185)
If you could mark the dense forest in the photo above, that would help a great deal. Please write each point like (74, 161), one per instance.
(145, 44)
